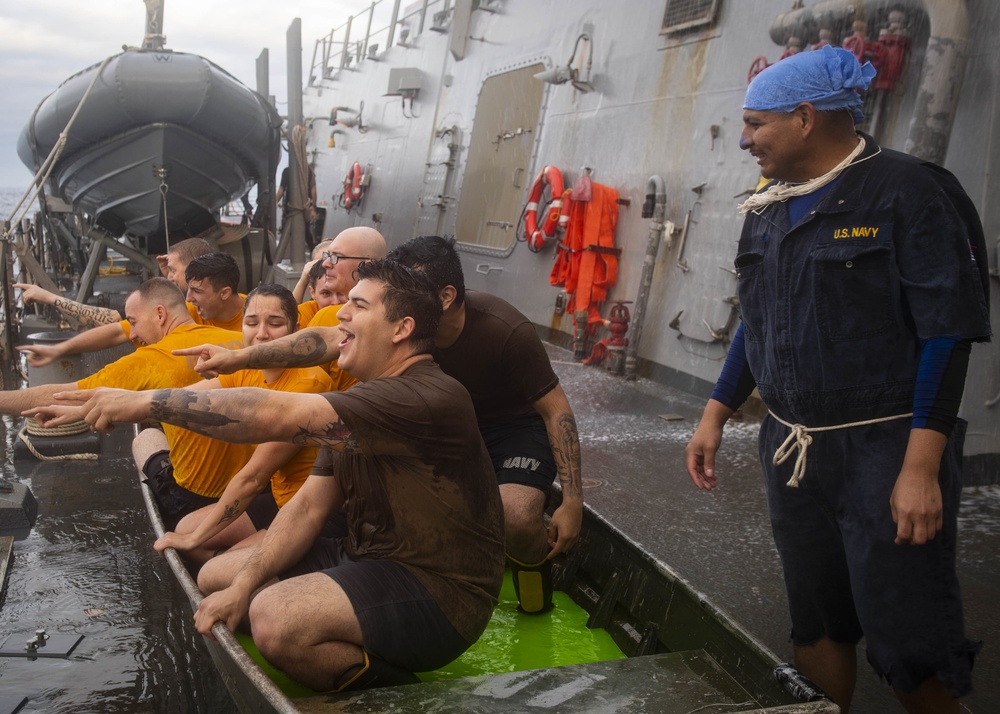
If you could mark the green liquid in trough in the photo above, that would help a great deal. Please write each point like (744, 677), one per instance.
(512, 642)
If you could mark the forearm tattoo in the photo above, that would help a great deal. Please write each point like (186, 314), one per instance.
(566, 450)
(303, 349)
(189, 410)
(229, 512)
(87, 315)
(336, 435)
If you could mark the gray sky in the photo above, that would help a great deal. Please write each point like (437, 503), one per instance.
(43, 42)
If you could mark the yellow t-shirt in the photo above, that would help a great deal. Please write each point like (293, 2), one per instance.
(307, 311)
(306, 380)
(327, 317)
(235, 323)
(201, 465)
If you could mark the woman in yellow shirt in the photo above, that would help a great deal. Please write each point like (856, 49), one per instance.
(276, 470)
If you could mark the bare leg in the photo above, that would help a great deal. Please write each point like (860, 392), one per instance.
(306, 626)
(931, 697)
(147, 443)
(236, 532)
(218, 573)
(527, 546)
(832, 666)
(251, 540)
(523, 508)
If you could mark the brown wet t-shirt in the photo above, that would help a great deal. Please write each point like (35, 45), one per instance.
(421, 491)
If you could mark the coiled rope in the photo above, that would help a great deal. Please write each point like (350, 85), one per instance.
(33, 428)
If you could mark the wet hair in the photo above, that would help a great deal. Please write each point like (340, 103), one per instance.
(285, 299)
(219, 269)
(316, 272)
(436, 258)
(191, 248)
(407, 293)
(160, 291)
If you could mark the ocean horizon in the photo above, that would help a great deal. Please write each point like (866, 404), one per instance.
(9, 196)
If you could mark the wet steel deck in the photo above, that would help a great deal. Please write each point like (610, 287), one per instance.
(720, 541)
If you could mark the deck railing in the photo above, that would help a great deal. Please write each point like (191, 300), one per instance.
(354, 41)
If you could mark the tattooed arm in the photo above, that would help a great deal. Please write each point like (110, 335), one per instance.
(244, 415)
(560, 424)
(245, 485)
(93, 340)
(306, 348)
(86, 315)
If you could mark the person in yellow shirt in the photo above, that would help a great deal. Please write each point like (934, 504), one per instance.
(315, 258)
(172, 265)
(276, 470)
(220, 313)
(213, 299)
(348, 251)
(321, 293)
(198, 467)
(213, 282)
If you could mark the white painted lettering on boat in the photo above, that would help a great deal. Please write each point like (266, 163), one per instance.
(559, 695)
(504, 686)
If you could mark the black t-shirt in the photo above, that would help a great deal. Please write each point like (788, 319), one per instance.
(499, 358)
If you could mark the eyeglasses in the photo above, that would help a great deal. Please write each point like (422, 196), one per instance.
(334, 258)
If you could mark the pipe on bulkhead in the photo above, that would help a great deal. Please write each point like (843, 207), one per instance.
(656, 199)
(940, 81)
(806, 22)
(292, 241)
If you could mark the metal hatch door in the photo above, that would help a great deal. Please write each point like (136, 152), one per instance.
(503, 134)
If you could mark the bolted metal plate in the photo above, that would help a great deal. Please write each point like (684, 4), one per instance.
(55, 645)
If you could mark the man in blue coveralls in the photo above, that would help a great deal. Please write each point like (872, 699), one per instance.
(863, 284)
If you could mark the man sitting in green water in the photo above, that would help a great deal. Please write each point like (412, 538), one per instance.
(415, 581)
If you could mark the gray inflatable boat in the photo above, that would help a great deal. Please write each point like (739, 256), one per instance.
(161, 143)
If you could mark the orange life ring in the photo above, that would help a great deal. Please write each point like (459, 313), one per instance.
(352, 186)
(558, 212)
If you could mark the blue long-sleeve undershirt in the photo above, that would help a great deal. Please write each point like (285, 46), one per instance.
(736, 382)
(944, 362)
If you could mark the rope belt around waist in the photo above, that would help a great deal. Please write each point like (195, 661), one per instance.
(801, 437)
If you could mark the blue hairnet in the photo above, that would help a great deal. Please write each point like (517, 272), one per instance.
(827, 78)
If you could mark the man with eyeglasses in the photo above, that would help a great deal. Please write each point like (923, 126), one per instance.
(307, 347)
(349, 249)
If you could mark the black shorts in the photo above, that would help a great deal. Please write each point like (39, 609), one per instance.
(520, 450)
(400, 622)
(174, 501)
(262, 509)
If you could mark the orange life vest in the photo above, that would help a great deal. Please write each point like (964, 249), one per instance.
(587, 259)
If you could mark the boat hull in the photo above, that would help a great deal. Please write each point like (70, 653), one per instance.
(682, 649)
(162, 142)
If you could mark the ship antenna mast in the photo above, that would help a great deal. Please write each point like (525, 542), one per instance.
(154, 38)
